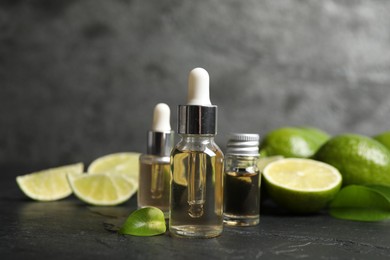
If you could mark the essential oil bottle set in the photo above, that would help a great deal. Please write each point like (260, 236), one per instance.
(193, 183)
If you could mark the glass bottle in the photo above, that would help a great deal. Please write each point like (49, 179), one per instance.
(155, 175)
(197, 166)
(242, 181)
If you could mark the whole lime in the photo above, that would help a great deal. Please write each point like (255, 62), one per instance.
(360, 159)
(318, 135)
(299, 142)
(383, 138)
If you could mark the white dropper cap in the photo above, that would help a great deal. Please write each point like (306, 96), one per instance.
(161, 118)
(199, 88)
(199, 116)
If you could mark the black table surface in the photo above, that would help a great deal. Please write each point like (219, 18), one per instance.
(71, 229)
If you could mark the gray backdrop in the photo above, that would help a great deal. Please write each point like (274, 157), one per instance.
(79, 79)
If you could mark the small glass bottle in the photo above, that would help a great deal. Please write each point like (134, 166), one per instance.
(242, 181)
(197, 166)
(155, 175)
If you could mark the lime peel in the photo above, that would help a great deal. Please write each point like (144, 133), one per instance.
(361, 160)
(295, 142)
(384, 138)
(148, 221)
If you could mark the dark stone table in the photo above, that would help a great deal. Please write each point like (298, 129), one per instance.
(70, 229)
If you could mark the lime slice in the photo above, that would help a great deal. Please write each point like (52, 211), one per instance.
(127, 162)
(102, 189)
(148, 221)
(50, 184)
(301, 185)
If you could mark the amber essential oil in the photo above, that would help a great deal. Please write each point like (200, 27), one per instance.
(242, 181)
(154, 182)
(242, 206)
(154, 166)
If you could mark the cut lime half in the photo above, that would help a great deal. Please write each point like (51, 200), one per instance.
(301, 185)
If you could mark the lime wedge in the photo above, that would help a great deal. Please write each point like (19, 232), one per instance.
(126, 162)
(103, 189)
(148, 221)
(301, 185)
(50, 184)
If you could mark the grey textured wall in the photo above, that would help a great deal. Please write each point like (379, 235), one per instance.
(80, 78)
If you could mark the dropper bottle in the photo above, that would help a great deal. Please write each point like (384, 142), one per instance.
(197, 166)
(154, 175)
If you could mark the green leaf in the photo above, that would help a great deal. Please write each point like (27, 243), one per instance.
(362, 203)
(148, 221)
(384, 190)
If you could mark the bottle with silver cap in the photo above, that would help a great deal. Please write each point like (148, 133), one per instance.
(197, 166)
(155, 175)
(242, 181)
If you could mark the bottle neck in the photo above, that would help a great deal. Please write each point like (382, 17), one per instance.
(159, 143)
(239, 161)
(197, 120)
(200, 143)
(190, 138)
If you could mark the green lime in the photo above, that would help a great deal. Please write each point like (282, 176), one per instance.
(383, 138)
(360, 159)
(148, 221)
(319, 135)
(301, 142)
(50, 184)
(301, 185)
